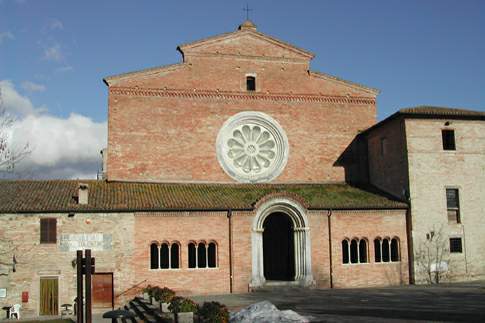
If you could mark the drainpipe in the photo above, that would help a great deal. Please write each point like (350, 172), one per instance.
(229, 217)
(329, 215)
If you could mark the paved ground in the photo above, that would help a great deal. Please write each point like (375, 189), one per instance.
(464, 302)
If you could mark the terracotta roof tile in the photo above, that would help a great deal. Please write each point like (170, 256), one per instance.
(441, 111)
(60, 196)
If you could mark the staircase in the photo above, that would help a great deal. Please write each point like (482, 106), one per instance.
(145, 312)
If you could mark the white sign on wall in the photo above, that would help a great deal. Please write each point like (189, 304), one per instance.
(82, 241)
(3, 292)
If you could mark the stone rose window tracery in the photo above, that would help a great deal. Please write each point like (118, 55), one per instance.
(252, 147)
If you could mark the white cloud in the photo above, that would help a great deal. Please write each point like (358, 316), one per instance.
(6, 35)
(33, 87)
(60, 147)
(53, 53)
(57, 141)
(55, 24)
(14, 103)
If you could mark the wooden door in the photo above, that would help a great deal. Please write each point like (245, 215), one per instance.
(49, 296)
(102, 291)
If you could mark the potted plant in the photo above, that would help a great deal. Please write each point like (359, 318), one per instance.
(164, 296)
(184, 309)
(213, 312)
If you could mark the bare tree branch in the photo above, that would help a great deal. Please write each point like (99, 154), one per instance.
(10, 155)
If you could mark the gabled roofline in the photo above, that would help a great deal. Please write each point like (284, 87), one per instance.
(350, 83)
(216, 38)
(157, 69)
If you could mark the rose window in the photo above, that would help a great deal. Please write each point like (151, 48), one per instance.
(252, 147)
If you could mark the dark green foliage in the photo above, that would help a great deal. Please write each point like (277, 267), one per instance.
(214, 312)
(182, 305)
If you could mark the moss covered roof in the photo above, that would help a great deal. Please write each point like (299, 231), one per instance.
(61, 196)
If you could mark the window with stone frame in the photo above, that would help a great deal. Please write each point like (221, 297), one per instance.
(386, 250)
(165, 255)
(456, 245)
(448, 138)
(48, 230)
(354, 251)
(250, 83)
(453, 205)
(202, 255)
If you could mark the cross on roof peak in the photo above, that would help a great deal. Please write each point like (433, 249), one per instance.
(247, 11)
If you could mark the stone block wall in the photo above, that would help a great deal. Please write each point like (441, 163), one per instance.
(431, 171)
(36, 260)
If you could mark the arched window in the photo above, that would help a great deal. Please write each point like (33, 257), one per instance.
(354, 251)
(192, 255)
(212, 255)
(394, 249)
(174, 255)
(164, 256)
(377, 250)
(201, 255)
(250, 83)
(386, 250)
(154, 256)
(362, 251)
(345, 251)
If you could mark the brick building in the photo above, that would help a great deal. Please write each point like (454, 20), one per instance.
(235, 169)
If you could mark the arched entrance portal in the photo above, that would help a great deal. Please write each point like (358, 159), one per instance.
(280, 243)
(278, 247)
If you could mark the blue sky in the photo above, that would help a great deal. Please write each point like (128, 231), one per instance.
(54, 54)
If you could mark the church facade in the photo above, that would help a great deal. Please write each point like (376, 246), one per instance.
(235, 169)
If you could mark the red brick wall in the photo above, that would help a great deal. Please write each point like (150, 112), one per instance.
(155, 137)
(188, 226)
(183, 227)
(172, 139)
(369, 225)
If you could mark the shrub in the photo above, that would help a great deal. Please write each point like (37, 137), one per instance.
(214, 312)
(148, 290)
(165, 294)
(182, 305)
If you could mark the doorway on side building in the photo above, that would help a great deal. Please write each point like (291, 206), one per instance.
(102, 290)
(49, 296)
(278, 247)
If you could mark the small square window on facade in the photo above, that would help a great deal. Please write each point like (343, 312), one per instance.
(48, 230)
(250, 83)
(453, 205)
(456, 245)
(448, 137)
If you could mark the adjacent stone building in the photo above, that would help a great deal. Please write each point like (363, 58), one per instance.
(435, 158)
(236, 169)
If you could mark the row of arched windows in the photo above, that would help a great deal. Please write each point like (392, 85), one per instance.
(167, 255)
(202, 255)
(386, 249)
(355, 251)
